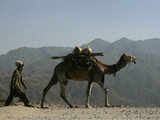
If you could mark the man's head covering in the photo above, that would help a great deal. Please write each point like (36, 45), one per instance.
(19, 63)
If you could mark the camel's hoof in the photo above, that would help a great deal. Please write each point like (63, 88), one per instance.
(88, 106)
(44, 107)
(71, 106)
(76, 106)
(29, 106)
(108, 105)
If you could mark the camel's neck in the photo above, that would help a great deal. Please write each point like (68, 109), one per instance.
(112, 69)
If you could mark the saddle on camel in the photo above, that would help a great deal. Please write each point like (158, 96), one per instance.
(82, 58)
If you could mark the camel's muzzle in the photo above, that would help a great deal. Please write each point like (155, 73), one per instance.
(134, 62)
(134, 59)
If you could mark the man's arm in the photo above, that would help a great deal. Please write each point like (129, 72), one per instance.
(25, 87)
(14, 77)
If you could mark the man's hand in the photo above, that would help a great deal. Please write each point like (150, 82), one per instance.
(25, 87)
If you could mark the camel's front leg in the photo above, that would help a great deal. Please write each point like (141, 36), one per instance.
(89, 90)
(106, 91)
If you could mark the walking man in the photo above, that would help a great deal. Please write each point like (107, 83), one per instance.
(15, 86)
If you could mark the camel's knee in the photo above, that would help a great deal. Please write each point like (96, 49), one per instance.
(89, 91)
(45, 91)
(106, 90)
(62, 95)
(47, 88)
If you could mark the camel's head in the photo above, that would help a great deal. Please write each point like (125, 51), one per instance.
(128, 58)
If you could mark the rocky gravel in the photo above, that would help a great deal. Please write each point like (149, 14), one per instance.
(59, 112)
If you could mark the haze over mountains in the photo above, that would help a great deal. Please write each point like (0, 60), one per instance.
(137, 84)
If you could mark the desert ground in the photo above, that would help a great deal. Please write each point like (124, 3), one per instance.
(60, 112)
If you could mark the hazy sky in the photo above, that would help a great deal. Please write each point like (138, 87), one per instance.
(37, 23)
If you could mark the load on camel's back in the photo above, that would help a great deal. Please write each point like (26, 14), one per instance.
(82, 58)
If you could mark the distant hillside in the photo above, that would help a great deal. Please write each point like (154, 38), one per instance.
(136, 84)
(97, 44)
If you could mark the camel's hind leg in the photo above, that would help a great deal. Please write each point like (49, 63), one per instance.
(52, 82)
(63, 95)
(106, 94)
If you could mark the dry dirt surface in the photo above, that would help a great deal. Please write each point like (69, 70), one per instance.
(57, 112)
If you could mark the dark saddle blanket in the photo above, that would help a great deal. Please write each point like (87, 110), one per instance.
(81, 61)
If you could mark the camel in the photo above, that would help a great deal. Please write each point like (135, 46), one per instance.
(65, 71)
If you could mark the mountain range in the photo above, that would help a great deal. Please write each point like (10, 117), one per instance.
(137, 84)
